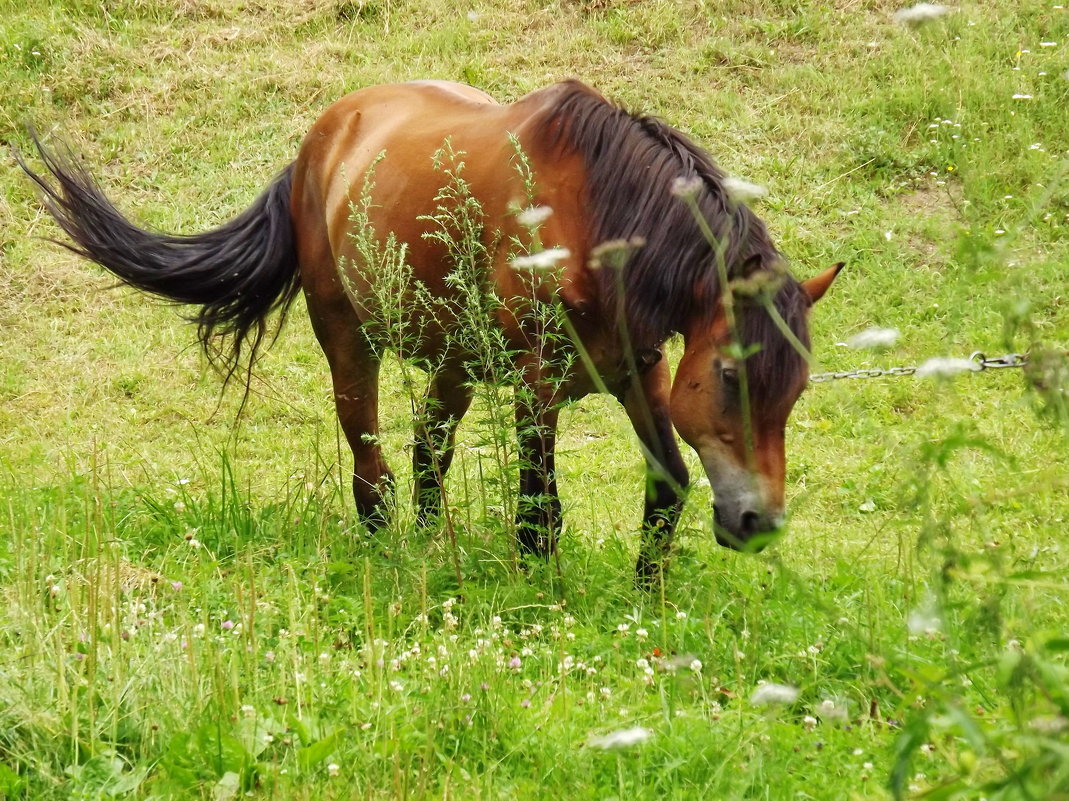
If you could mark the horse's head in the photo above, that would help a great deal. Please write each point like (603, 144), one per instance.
(731, 404)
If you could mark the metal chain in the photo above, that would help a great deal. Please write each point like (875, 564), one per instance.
(980, 361)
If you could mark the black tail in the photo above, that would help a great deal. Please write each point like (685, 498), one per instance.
(237, 273)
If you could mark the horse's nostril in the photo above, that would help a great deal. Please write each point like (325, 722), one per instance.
(750, 523)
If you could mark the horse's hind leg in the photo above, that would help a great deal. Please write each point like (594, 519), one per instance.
(448, 399)
(354, 368)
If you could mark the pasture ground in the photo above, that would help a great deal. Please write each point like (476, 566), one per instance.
(189, 609)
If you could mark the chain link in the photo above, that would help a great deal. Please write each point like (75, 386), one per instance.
(979, 360)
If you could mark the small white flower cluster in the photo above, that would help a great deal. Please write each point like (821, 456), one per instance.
(534, 216)
(772, 694)
(946, 367)
(623, 738)
(686, 186)
(740, 191)
(449, 620)
(920, 13)
(874, 338)
(542, 260)
(925, 620)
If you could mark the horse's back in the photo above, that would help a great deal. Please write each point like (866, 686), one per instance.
(389, 159)
(355, 129)
(387, 137)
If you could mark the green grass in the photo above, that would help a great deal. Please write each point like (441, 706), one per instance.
(189, 608)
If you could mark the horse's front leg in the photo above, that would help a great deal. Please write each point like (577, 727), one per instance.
(448, 399)
(646, 401)
(538, 510)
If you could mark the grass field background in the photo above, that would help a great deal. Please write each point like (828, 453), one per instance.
(190, 609)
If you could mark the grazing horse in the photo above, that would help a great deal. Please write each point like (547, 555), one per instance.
(373, 177)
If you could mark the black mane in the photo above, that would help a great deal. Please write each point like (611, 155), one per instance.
(672, 281)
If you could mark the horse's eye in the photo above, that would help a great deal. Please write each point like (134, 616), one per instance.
(729, 375)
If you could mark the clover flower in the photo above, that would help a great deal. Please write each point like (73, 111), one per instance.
(830, 709)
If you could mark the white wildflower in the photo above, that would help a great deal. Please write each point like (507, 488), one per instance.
(946, 367)
(543, 260)
(809, 722)
(686, 186)
(920, 13)
(696, 666)
(534, 216)
(615, 253)
(925, 619)
(874, 338)
(830, 709)
(1049, 724)
(332, 769)
(623, 738)
(771, 694)
(741, 191)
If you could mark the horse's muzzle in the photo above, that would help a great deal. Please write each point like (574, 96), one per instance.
(751, 533)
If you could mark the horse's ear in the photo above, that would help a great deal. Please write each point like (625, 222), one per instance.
(747, 269)
(816, 286)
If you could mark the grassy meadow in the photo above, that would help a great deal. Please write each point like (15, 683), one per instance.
(189, 607)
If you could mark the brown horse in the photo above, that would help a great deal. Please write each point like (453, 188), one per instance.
(374, 174)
